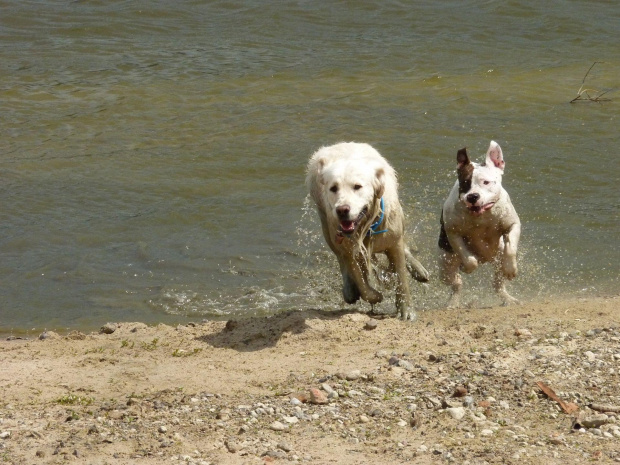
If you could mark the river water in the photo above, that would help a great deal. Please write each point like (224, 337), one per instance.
(152, 153)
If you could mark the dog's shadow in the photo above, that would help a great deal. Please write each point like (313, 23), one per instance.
(258, 333)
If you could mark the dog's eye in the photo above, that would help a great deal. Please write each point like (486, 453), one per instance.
(334, 189)
(486, 183)
(357, 187)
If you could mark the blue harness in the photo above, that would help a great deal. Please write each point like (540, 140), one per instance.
(373, 229)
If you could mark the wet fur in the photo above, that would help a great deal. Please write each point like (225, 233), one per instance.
(344, 180)
(478, 225)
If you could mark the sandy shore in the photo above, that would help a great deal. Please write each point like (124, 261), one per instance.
(322, 388)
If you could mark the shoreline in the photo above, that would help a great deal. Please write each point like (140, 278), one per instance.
(321, 387)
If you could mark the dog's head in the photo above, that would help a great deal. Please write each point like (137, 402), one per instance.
(351, 191)
(480, 185)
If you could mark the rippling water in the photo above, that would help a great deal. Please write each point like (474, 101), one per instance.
(152, 154)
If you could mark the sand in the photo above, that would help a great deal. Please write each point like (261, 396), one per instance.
(456, 386)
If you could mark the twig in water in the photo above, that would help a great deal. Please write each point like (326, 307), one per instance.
(588, 98)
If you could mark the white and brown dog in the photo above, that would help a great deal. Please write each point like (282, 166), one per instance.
(356, 193)
(479, 225)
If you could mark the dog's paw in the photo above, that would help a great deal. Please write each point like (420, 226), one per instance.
(373, 297)
(508, 300)
(408, 314)
(469, 264)
(509, 268)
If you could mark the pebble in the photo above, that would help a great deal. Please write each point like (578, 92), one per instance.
(486, 432)
(285, 446)
(108, 328)
(406, 365)
(317, 396)
(5, 435)
(277, 426)
(48, 335)
(353, 375)
(371, 324)
(456, 412)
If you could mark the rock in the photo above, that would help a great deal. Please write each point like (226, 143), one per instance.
(363, 419)
(523, 333)
(486, 432)
(456, 413)
(285, 446)
(108, 328)
(353, 375)
(460, 391)
(371, 324)
(232, 446)
(277, 426)
(406, 365)
(327, 388)
(317, 396)
(48, 335)
(162, 429)
(5, 435)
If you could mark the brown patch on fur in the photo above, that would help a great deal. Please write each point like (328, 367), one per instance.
(465, 170)
(444, 243)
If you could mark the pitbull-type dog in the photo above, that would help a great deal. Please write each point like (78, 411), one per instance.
(479, 225)
(356, 194)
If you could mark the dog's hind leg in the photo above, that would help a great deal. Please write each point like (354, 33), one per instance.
(415, 268)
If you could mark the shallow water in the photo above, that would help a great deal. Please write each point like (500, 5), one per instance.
(153, 154)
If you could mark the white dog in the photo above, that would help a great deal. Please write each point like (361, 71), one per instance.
(479, 225)
(356, 194)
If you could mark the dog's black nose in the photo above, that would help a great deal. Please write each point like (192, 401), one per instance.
(473, 198)
(343, 211)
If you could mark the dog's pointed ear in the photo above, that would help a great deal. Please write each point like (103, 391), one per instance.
(462, 159)
(495, 157)
(379, 183)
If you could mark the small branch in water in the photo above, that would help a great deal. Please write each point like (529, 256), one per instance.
(588, 98)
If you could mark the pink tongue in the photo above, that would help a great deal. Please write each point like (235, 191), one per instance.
(347, 226)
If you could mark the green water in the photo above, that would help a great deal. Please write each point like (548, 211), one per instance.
(152, 154)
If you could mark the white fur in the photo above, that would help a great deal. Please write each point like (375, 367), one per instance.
(481, 225)
(347, 181)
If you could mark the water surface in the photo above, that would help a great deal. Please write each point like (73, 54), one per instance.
(152, 154)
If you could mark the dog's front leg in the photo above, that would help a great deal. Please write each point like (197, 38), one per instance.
(398, 260)
(509, 259)
(358, 272)
(469, 263)
(350, 291)
(450, 275)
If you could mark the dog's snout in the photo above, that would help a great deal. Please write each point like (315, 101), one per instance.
(473, 198)
(343, 211)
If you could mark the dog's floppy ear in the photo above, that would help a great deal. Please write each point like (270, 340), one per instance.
(379, 183)
(495, 157)
(320, 165)
(462, 159)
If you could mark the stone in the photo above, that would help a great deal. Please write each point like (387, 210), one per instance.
(460, 391)
(317, 396)
(456, 413)
(371, 324)
(108, 328)
(285, 446)
(277, 426)
(353, 375)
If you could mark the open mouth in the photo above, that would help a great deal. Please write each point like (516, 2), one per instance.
(480, 209)
(349, 226)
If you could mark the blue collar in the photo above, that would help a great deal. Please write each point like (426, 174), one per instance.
(373, 229)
